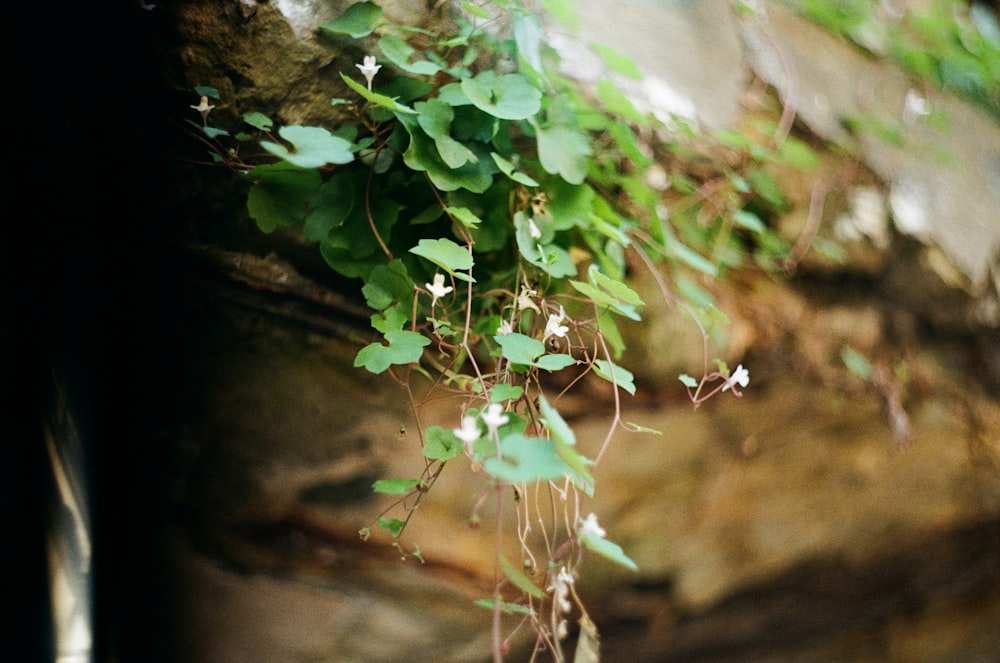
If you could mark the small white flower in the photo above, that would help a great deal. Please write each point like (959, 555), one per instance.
(505, 328)
(914, 107)
(560, 590)
(369, 69)
(554, 326)
(438, 289)
(590, 526)
(740, 376)
(494, 417)
(204, 107)
(533, 229)
(468, 433)
(525, 301)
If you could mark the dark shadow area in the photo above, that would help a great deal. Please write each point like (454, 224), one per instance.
(826, 610)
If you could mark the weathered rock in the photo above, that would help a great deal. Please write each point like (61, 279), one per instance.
(788, 523)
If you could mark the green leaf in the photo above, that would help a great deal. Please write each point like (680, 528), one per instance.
(508, 97)
(312, 147)
(615, 288)
(423, 155)
(616, 102)
(687, 380)
(376, 98)
(464, 216)
(526, 460)
(520, 349)
(622, 376)
(768, 188)
(280, 194)
(797, 154)
(555, 362)
(395, 486)
(520, 579)
(556, 425)
(550, 258)
(564, 151)
(507, 168)
(211, 132)
(509, 608)
(206, 90)
(258, 121)
(607, 549)
(617, 62)
(608, 292)
(505, 392)
(397, 51)
(856, 363)
(692, 292)
(392, 318)
(565, 11)
(748, 220)
(565, 446)
(612, 336)
(332, 205)
(529, 35)
(475, 10)
(435, 119)
(394, 525)
(447, 255)
(680, 251)
(405, 347)
(570, 205)
(358, 21)
(441, 444)
(387, 284)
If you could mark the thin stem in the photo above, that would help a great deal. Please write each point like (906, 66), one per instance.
(368, 214)
(497, 596)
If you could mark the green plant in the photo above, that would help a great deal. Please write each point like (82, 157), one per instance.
(949, 44)
(491, 210)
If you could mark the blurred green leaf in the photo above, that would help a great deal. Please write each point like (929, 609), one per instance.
(280, 194)
(447, 255)
(312, 147)
(622, 376)
(608, 550)
(358, 20)
(508, 97)
(441, 444)
(520, 579)
(405, 347)
(395, 486)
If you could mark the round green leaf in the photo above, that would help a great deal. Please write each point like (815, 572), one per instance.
(508, 97)
(312, 147)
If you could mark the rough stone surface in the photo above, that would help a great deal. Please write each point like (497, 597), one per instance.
(817, 518)
(766, 523)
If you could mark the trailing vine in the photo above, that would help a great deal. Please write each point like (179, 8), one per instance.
(492, 208)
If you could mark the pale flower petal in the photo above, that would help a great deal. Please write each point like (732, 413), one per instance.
(533, 229)
(560, 590)
(590, 526)
(468, 433)
(525, 301)
(554, 326)
(438, 289)
(494, 417)
(740, 376)
(369, 69)
(203, 107)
